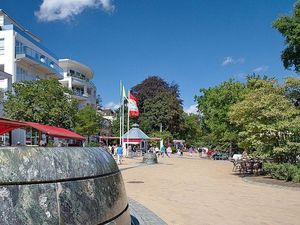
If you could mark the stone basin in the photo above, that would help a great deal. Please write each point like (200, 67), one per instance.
(150, 158)
(63, 185)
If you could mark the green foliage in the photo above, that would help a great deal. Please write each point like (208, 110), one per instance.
(116, 123)
(191, 131)
(268, 121)
(292, 90)
(289, 27)
(164, 109)
(159, 103)
(284, 171)
(214, 104)
(92, 144)
(87, 121)
(41, 101)
(165, 135)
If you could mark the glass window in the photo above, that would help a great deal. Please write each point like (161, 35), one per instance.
(1, 46)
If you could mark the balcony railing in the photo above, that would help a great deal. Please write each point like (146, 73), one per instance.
(82, 79)
(79, 93)
(39, 58)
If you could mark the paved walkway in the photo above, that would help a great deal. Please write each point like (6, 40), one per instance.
(185, 191)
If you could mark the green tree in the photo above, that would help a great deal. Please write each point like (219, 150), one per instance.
(289, 27)
(191, 131)
(292, 90)
(165, 135)
(163, 109)
(152, 86)
(41, 101)
(214, 104)
(269, 121)
(159, 103)
(88, 122)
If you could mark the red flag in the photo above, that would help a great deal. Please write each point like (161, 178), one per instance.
(132, 106)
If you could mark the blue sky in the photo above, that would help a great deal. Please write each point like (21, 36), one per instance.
(196, 43)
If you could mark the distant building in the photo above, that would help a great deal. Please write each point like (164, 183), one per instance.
(108, 114)
(22, 55)
(77, 77)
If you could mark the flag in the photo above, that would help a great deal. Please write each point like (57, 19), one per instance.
(124, 93)
(132, 106)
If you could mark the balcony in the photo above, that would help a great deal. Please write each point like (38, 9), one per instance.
(79, 94)
(39, 61)
(81, 80)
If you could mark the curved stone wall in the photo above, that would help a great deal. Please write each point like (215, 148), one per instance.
(67, 186)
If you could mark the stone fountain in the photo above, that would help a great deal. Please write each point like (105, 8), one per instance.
(63, 185)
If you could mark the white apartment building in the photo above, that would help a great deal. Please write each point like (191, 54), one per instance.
(22, 55)
(77, 77)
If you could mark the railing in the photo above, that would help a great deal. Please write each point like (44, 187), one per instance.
(79, 93)
(38, 57)
(82, 79)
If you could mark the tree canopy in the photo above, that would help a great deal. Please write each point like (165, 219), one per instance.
(159, 104)
(88, 121)
(41, 101)
(289, 27)
(214, 104)
(269, 121)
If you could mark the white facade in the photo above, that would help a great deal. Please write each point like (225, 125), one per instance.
(22, 55)
(77, 77)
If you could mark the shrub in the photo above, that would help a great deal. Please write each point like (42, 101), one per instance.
(284, 171)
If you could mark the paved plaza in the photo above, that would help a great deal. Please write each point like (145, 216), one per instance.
(184, 191)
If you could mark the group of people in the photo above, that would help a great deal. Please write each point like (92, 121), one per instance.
(163, 151)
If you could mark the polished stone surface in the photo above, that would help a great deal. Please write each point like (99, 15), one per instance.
(61, 186)
(150, 158)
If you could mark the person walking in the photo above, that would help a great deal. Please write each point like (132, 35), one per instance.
(181, 150)
(169, 151)
(119, 154)
(156, 151)
(163, 151)
(191, 151)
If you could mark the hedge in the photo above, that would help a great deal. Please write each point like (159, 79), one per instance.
(284, 171)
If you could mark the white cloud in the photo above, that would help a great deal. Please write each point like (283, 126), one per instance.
(192, 109)
(230, 60)
(261, 69)
(112, 105)
(51, 10)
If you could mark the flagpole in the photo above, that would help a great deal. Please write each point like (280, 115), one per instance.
(120, 112)
(128, 96)
(123, 117)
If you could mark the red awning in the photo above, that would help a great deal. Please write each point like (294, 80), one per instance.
(7, 125)
(55, 131)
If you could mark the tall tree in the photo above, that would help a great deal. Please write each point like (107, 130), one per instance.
(88, 122)
(214, 104)
(159, 103)
(163, 109)
(191, 131)
(41, 101)
(269, 121)
(151, 86)
(289, 27)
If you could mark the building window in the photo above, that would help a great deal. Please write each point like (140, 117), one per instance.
(1, 46)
